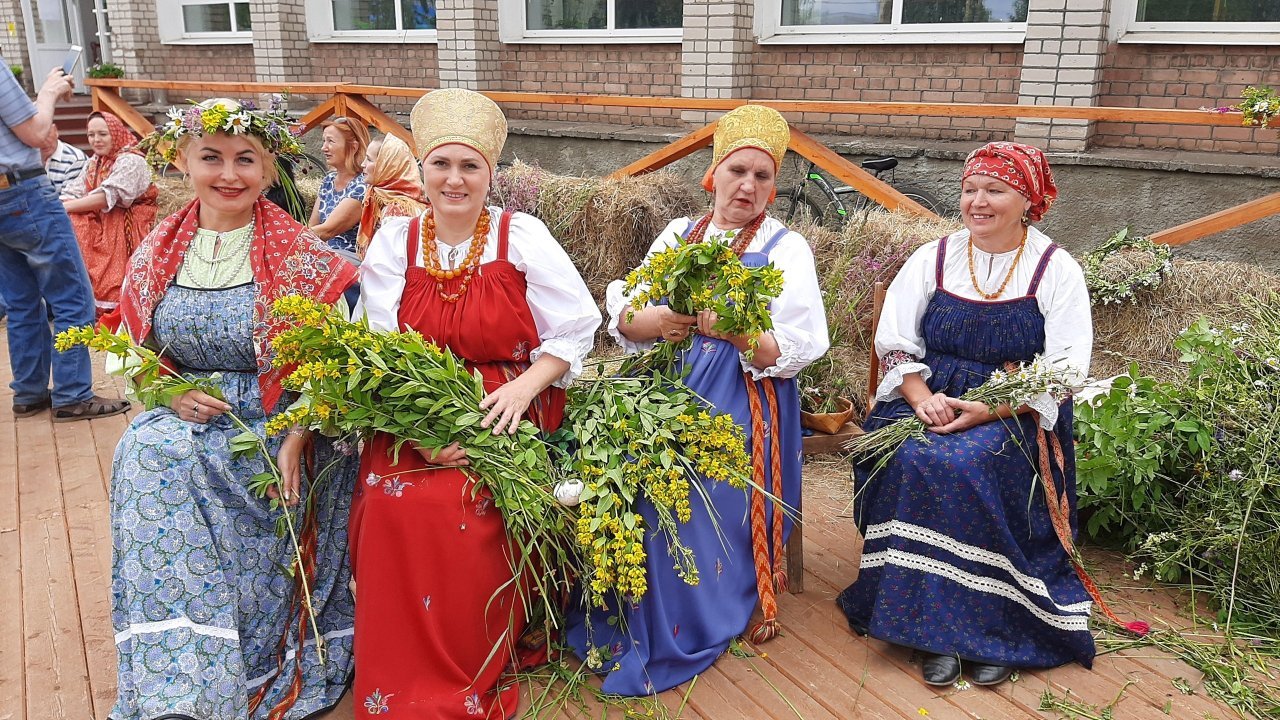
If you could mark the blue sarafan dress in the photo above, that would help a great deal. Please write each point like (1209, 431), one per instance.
(676, 630)
(960, 555)
(205, 616)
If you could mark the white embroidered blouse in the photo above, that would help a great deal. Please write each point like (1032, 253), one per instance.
(799, 319)
(563, 310)
(129, 178)
(1062, 298)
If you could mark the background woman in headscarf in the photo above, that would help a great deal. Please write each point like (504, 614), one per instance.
(395, 187)
(678, 630)
(440, 610)
(207, 616)
(112, 205)
(961, 559)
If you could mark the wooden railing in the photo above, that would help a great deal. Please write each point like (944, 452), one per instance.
(352, 99)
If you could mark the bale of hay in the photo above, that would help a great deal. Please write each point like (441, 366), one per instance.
(1144, 331)
(605, 224)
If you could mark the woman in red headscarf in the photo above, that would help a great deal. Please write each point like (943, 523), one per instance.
(963, 558)
(112, 206)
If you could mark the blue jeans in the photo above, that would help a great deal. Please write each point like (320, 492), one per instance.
(39, 258)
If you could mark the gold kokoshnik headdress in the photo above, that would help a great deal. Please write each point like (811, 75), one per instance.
(749, 126)
(454, 115)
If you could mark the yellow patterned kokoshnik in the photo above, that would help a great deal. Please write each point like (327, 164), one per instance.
(455, 115)
(754, 126)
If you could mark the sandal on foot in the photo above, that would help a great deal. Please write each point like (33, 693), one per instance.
(94, 407)
(29, 409)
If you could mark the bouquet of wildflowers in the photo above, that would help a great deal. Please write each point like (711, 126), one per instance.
(1016, 386)
(707, 275)
(640, 437)
(1260, 106)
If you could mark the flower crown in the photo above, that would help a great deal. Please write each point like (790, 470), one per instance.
(271, 126)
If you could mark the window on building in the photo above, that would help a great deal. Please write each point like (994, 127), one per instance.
(204, 21)
(590, 20)
(909, 12)
(215, 17)
(1217, 11)
(1197, 22)
(394, 15)
(602, 14)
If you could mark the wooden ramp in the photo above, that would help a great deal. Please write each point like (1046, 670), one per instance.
(57, 660)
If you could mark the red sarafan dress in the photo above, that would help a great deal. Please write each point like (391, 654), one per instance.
(433, 573)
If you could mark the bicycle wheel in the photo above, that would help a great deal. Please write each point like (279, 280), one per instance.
(925, 198)
(792, 205)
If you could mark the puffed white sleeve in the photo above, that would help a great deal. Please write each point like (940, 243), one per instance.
(382, 275)
(899, 338)
(74, 188)
(799, 319)
(617, 302)
(1063, 299)
(563, 310)
(129, 178)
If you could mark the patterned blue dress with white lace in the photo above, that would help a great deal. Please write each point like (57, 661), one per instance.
(205, 616)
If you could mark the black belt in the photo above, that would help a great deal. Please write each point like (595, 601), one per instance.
(13, 177)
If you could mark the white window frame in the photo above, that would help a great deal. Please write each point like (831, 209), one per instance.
(174, 32)
(1127, 29)
(320, 28)
(513, 27)
(771, 31)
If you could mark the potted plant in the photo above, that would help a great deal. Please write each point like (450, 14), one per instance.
(823, 405)
(105, 70)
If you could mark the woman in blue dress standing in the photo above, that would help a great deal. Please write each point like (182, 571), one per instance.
(677, 630)
(209, 622)
(961, 559)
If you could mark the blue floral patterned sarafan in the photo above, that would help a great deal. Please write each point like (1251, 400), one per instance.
(204, 613)
(960, 555)
(677, 630)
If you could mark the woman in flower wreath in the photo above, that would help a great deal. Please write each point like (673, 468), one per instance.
(112, 206)
(961, 560)
(677, 630)
(439, 611)
(208, 622)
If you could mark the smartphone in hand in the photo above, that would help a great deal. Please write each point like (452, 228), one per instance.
(73, 57)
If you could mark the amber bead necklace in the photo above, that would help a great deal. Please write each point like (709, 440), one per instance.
(740, 240)
(973, 276)
(469, 265)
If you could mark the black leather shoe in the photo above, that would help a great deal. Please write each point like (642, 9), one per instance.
(983, 674)
(940, 669)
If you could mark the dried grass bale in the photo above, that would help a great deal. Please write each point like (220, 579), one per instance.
(1144, 331)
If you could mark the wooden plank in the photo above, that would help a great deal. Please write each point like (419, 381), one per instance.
(864, 182)
(684, 147)
(1251, 211)
(218, 88)
(822, 443)
(773, 691)
(373, 115)
(318, 114)
(12, 632)
(57, 683)
(89, 529)
(110, 101)
(974, 110)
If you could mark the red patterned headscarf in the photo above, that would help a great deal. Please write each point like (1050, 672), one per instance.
(1023, 167)
(287, 259)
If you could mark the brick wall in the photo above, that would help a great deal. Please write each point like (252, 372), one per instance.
(899, 73)
(409, 65)
(230, 63)
(1185, 77)
(596, 69)
(14, 47)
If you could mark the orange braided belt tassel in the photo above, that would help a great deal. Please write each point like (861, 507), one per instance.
(770, 577)
(1060, 514)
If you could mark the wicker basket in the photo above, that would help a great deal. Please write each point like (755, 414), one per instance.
(828, 423)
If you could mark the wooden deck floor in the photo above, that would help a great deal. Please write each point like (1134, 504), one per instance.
(57, 660)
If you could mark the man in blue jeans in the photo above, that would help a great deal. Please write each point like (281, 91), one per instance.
(39, 259)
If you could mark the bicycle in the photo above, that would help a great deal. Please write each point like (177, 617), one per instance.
(833, 210)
